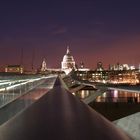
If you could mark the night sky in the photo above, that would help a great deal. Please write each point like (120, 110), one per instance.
(95, 30)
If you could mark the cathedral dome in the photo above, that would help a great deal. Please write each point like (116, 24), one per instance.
(68, 57)
(68, 60)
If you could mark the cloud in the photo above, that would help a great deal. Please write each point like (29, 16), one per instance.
(59, 30)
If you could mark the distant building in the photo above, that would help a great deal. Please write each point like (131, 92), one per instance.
(43, 66)
(132, 68)
(119, 67)
(125, 67)
(99, 66)
(82, 65)
(14, 69)
(92, 75)
(68, 62)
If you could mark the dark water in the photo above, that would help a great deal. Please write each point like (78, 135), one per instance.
(113, 104)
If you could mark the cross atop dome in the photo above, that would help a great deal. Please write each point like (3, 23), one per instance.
(68, 50)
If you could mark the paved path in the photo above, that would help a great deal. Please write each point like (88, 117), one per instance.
(131, 125)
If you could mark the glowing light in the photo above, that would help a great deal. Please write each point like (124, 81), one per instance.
(116, 93)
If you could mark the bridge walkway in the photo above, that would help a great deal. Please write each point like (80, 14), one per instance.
(59, 115)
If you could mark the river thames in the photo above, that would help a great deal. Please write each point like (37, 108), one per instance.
(113, 104)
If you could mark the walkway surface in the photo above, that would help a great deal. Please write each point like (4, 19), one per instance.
(131, 125)
(59, 115)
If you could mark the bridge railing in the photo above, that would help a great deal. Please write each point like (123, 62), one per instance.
(21, 101)
(17, 88)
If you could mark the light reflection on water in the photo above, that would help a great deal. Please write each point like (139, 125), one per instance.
(82, 94)
(111, 96)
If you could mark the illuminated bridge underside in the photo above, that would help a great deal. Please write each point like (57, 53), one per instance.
(59, 115)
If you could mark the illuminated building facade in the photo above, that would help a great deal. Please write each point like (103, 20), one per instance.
(121, 67)
(14, 69)
(110, 76)
(68, 62)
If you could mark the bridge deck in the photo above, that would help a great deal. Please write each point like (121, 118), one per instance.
(59, 115)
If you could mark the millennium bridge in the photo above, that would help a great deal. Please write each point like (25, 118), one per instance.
(43, 107)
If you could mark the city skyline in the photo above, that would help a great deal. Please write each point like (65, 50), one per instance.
(96, 31)
(32, 64)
